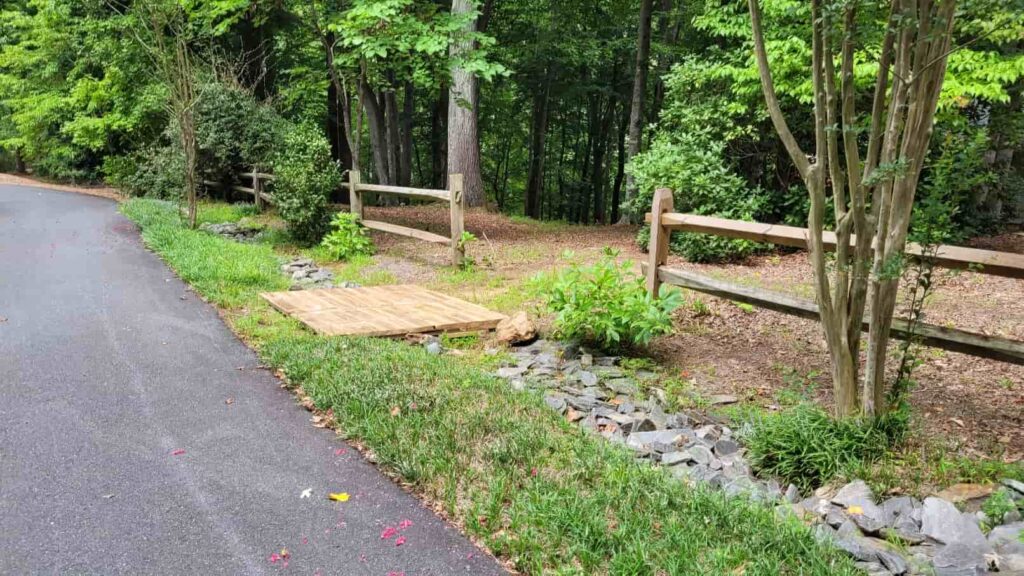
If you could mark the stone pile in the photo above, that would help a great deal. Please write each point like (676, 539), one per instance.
(601, 396)
(903, 535)
(306, 274)
(233, 231)
(627, 407)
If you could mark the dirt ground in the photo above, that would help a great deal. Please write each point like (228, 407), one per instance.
(102, 191)
(760, 356)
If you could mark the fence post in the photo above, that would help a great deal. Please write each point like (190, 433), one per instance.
(457, 213)
(257, 187)
(657, 248)
(355, 202)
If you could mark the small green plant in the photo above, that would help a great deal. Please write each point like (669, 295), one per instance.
(700, 307)
(347, 238)
(806, 446)
(606, 304)
(747, 308)
(998, 505)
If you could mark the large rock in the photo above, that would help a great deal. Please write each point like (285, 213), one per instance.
(958, 493)
(859, 504)
(960, 559)
(516, 330)
(942, 522)
(643, 440)
(1006, 539)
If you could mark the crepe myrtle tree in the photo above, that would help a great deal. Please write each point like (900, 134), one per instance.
(872, 165)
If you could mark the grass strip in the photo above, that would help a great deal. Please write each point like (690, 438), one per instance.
(535, 489)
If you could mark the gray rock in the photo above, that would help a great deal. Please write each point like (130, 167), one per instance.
(299, 274)
(792, 494)
(586, 360)
(873, 568)
(674, 458)
(596, 392)
(583, 402)
(606, 360)
(677, 421)
(942, 522)
(894, 508)
(1015, 485)
(700, 455)
(643, 440)
(645, 425)
(849, 540)
(511, 371)
(719, 399)
(959, 559)
(725, 447)
(857, 496)
(622, 386)
(588, 378)
(627, 408)
(891, 560)
(556, 403)
(1006, 539)
(853, 494)
(836, 517)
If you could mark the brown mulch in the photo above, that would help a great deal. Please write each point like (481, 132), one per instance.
(31, 181)
(759, 355)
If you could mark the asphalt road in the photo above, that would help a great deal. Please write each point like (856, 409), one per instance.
(109, 367)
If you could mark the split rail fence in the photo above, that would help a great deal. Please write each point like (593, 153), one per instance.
(664, 221)
(453, 196)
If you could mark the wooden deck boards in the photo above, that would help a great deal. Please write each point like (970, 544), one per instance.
(382, 311)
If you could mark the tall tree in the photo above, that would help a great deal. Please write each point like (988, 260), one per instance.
(874, 191)
(636, 113)
(463, 139)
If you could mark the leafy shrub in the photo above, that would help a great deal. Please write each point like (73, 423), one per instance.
(234, 132)
(606, 303)
(154, 172)
(807, 447)
(998, 505)
(347, 238)
(692, 167)
(305, 176)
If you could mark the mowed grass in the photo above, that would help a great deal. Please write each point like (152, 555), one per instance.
(536, 490)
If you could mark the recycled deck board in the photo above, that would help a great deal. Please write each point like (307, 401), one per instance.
(382, 311)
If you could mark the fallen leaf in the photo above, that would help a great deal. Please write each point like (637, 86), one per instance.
(338, 496)
(306, 493)
(958, 422)
(178, 452)
(855, 510)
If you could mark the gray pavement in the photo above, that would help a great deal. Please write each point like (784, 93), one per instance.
(109, 366)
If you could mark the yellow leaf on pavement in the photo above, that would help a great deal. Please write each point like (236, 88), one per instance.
(338, 496)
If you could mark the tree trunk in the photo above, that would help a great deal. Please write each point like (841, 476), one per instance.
(620, 172)
(636, 111)
(378, 131)
(438, 139)
(336, 131)
(394, 137)
(463, 140)
(19, 161)
(406, 148)
(538, 137)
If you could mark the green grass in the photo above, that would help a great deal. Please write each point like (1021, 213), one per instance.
(536, 489)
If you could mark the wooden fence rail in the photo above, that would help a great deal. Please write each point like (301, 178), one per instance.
(453, 196)
(663, 221)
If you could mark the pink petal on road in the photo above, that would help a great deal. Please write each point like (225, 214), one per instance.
(178, 452)
(404, 524)
(400, 541)
(388, 533)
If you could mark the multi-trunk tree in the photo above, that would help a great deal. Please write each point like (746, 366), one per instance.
(871, 163)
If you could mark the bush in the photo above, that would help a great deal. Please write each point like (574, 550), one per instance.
(305, 176)
(692, 167)
(155, 172)
(347, 238)
(807, 447)
(606, 304)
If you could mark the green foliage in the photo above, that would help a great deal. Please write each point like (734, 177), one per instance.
(347, 238)
(998, 505)
(518, 477)
(305, 176)
(807, 447)
(157, 171)
(606, 304)
(234, 132)
(692, 167)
